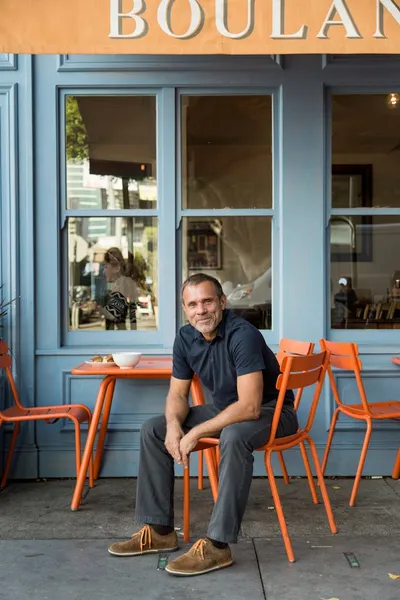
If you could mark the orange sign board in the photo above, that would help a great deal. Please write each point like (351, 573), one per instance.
(200, 26)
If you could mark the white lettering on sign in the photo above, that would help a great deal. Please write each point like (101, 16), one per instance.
(338, 14)
(392, 8)
(164, 19)
(339, 7)
(278, 20)
(116, 17)
(221, 19)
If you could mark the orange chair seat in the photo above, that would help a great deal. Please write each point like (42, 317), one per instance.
(15, 413)
(205, 444)
(288, 441)
(379, 410)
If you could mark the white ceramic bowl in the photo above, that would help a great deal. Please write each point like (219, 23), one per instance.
(127, 360)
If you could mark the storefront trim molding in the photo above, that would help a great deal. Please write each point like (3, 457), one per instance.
(369, 61)
(8, 62)
(131, 62)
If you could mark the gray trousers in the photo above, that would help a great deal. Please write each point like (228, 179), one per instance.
(155, 488)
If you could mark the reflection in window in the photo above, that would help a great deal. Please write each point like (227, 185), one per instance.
(227, 152)
(365, 294)
(111, 152)
(237, 251)
(113, 273)
(364, 248)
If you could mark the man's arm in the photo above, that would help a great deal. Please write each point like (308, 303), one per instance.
(176, 411)
(177, 403)
(247, 408)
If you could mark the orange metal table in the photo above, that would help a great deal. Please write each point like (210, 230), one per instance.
(148, 368)
(151, 367)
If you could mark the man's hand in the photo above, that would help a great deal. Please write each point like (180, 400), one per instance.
(188, 442)
(172, 440)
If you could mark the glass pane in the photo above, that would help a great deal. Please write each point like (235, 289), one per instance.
(111, 152)
(113, 273)
(227, 151)
(365, 272)
(365, 151)
(237, 251)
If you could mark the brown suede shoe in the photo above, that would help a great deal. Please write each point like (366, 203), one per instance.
(145, 541)
(202, 557)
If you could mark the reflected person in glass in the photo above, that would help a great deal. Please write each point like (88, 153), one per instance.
(345, 300)
(123, 295)
(234, 363)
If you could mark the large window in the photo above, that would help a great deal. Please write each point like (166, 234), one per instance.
(111, 212)
(227, 197)
(365, 212)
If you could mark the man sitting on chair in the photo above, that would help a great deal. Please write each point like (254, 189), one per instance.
(234, 363)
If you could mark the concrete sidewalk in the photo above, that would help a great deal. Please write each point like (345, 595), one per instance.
(49, 553)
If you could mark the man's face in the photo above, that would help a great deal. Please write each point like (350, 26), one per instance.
(203, 308)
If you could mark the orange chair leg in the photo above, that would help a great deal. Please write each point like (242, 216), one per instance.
(396, 468)
(283, 467)
(10, 455)
(91, 463)
(186, 503)
(324, 491)
(279, 509)
(212, 469)
(309, 473)
(361, 463)
(103, 429)
(329, 440)
(200, 482)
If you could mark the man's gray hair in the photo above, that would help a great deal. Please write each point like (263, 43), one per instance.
(199, 278)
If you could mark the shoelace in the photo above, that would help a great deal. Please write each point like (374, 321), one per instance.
(145, 537)
(198, 547)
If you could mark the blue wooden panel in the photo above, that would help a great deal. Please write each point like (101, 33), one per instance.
(30, 258)
(17, 259)
(8, 62)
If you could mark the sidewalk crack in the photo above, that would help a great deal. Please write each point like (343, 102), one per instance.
(259, 569)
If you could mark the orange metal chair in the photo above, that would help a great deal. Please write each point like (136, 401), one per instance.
(297, 372)
(396, 468)
(78, 413)
(208, 452)
(296, 348)
(345, 356)
(286, 346)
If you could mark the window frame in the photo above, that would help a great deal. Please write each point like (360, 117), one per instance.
(363, 337)
(271, 335)
(162, 338)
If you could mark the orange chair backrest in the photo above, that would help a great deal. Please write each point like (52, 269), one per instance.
(6, 363)
(298, 348)
(344, 355)
(300, 372)
(197, 392)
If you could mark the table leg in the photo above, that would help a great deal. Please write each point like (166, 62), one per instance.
(103, 428)
(80, 482)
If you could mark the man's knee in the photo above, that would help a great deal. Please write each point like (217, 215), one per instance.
(232, 435)
(153, 427)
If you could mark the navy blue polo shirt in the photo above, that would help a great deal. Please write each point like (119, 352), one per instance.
(238, 349)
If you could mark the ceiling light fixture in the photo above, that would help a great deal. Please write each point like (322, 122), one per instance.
(393, 100)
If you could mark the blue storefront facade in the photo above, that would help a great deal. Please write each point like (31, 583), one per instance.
(279, 176)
